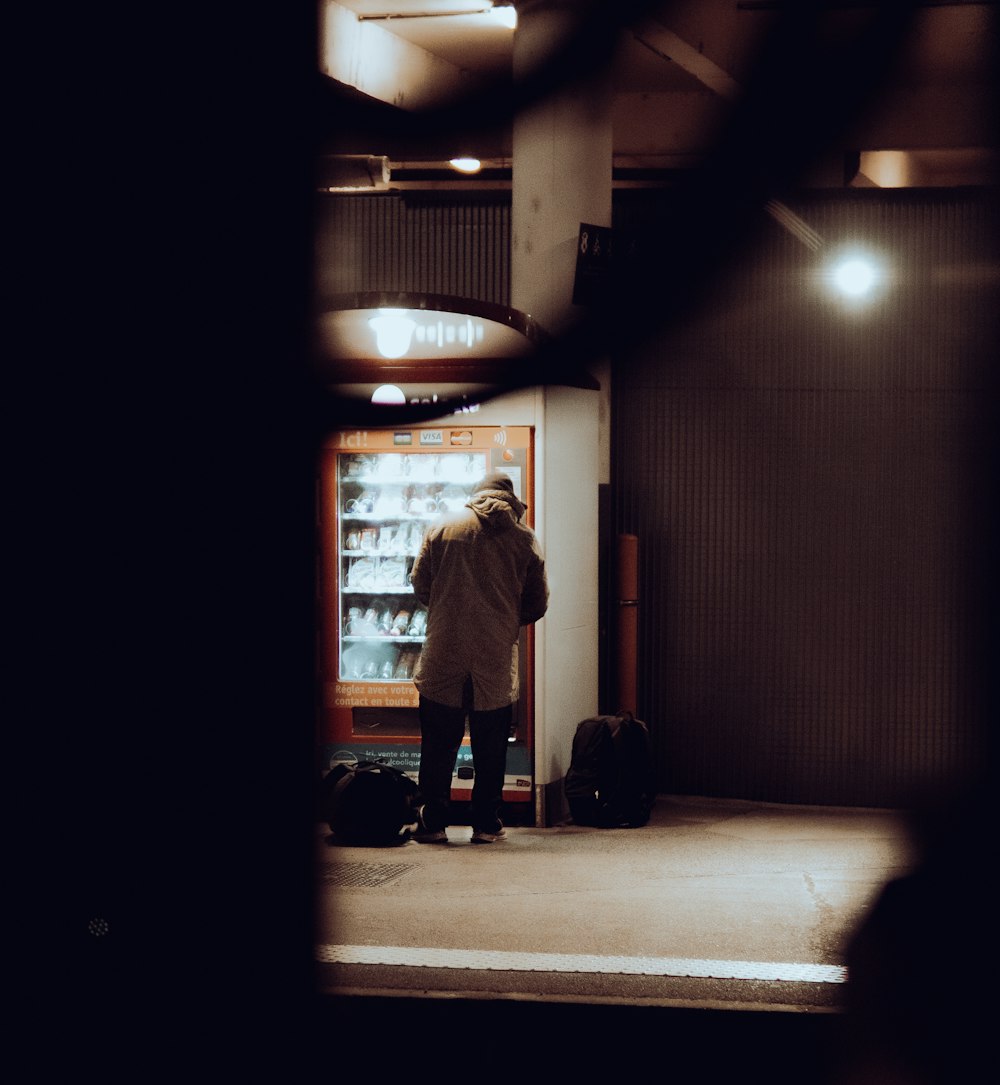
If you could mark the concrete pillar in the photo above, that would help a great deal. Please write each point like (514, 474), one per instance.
(562, 159)
(561, 170)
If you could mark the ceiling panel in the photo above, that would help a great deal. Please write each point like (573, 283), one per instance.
(677, 71)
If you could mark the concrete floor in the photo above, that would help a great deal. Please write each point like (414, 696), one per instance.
(723, 922)
(713, 901)
(714, 940)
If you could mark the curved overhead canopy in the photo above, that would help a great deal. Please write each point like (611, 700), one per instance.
(432, 346)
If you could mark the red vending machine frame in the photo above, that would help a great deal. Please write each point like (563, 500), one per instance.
(378, 490)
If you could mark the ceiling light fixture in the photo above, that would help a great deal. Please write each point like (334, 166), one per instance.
(466, 164)
(388, 395)
(393, 330)
(505, 15)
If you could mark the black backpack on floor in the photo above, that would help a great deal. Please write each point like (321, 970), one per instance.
(370, 804)
(611, 782)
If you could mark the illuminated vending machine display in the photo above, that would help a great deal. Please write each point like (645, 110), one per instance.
(379, 491)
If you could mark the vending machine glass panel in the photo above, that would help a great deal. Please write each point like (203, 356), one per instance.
(387, 501)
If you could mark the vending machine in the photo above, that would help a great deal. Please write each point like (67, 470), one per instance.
(379, 491)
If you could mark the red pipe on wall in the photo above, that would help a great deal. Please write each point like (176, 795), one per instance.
(628, 621)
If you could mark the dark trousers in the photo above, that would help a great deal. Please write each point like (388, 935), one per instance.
(442, 729)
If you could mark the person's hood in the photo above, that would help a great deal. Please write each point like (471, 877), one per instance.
(497, 509)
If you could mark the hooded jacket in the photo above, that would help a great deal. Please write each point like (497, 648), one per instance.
(481, 575)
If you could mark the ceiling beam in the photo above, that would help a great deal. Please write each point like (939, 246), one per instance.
(667, 44)
(361, 54)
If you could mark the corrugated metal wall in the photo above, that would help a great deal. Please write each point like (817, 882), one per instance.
(808, 487)
(810, 491)
(426, 244)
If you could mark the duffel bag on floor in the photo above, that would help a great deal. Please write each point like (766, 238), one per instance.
(369, 803)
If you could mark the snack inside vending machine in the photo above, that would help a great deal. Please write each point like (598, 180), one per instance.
(379, 491)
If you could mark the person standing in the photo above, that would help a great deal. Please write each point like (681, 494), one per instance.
(481, 575)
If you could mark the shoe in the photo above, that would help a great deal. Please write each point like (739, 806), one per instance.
(430, 836)
(480, 837)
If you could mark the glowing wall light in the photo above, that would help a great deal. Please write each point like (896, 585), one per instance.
(855, 277)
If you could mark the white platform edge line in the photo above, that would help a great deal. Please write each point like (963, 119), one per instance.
(504, 961)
